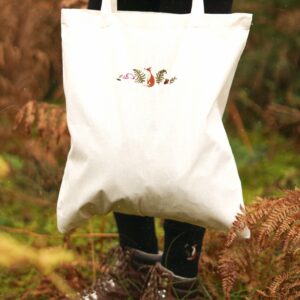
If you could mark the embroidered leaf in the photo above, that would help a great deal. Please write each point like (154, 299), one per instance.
(140, 77)
(160, 76)
(172, 79)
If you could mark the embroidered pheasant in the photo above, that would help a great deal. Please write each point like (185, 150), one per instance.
(150, 79)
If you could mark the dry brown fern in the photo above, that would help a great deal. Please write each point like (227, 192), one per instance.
(48, 120)
(270, 259)
(284, 286)
(30, 63)
(212, 247)
(231, 269)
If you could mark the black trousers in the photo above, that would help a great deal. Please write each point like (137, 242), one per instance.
(172, 6)
(182, 241)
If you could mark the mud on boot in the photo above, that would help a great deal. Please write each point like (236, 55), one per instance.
(125, 272)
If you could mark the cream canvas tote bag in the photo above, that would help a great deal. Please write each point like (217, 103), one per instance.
(145, 94)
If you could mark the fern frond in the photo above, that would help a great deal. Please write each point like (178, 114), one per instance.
(262, 293)
(273, 221)
(140, 77)
(48, 119)
(160, 76)
(285, 283)
(286, 225)
(232, 263)
(172, 80)
(277, 282)
(26, 115)
(292, 239)
(238, 225)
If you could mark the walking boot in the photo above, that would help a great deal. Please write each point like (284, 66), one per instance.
(164, 284)
(124, 275)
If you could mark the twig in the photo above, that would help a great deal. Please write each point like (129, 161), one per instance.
(237, 119)
(93, 253)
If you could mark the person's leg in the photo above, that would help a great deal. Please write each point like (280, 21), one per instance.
(183, 241)
(182, 247)
(137, 232)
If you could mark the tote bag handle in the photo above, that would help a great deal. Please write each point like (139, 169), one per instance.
(197, 7)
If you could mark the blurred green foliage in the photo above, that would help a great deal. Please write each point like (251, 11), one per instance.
(269, 70)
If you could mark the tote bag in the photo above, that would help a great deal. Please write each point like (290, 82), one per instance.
(145, 94)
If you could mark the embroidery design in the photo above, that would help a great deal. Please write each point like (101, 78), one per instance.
(147, 78)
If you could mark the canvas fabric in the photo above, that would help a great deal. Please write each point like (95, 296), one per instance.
(145, 95)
